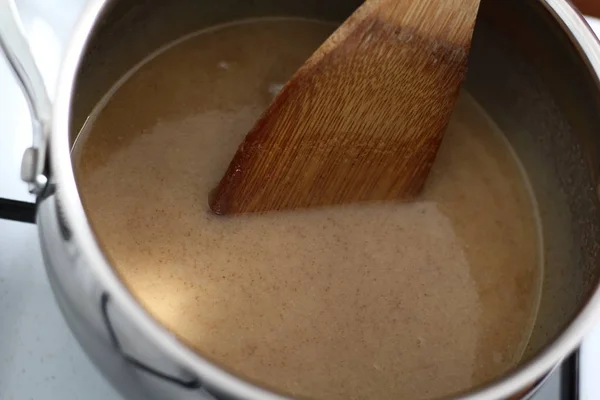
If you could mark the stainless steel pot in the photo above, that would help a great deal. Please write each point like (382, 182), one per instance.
(534, 67)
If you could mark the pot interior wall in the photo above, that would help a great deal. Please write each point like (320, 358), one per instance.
(529, 76)
(524, 70)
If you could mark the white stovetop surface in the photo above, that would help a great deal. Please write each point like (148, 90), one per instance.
(39, 357)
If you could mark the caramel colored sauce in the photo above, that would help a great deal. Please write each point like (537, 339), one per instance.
(369, 301)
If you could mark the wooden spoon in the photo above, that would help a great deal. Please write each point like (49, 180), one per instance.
(363, 118)
(588, 7)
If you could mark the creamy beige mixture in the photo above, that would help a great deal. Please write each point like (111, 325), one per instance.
(382, 301)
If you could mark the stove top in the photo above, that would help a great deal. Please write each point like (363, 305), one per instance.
(39, 357)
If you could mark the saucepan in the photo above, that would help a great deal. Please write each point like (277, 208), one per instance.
(534, 67)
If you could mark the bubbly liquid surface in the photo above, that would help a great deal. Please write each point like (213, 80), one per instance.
(380, 301)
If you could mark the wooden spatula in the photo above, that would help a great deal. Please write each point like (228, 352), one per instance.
(363, 118)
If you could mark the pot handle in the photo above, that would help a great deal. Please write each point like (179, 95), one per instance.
(15, 46)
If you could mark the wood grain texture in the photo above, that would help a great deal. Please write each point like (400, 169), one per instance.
(363, 118)
(588, 7)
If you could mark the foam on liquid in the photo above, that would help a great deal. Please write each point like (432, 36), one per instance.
(381, 301)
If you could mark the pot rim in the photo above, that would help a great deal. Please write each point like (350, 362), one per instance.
(564, 13)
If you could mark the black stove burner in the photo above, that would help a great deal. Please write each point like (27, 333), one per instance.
(16, 210)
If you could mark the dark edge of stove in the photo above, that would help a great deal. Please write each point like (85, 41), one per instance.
(569, 377)
(15, 210)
